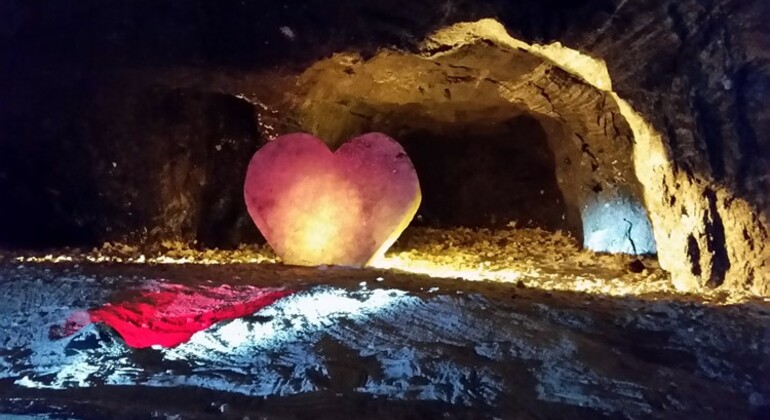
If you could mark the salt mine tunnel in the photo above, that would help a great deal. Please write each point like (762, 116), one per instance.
(440, 209)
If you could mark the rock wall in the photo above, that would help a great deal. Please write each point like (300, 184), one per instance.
(469, 74)
(704, 68)
(170, 164)
(139, 164)
(697, 71)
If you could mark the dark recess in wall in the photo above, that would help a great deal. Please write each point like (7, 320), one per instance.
(151, 165)
(482, 175)
(223, 221)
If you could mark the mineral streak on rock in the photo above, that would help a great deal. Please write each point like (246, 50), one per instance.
(317, 207)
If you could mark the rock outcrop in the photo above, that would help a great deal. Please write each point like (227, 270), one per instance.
(689, 79)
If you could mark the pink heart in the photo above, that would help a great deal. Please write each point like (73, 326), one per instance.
(344, 208)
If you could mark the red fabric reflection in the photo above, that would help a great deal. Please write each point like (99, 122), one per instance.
(172, 313)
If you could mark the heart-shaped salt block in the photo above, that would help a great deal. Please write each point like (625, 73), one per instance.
(344, 208)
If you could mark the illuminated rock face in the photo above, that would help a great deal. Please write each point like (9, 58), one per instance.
(317, 207)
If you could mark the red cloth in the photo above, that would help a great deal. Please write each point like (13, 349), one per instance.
(170, 315)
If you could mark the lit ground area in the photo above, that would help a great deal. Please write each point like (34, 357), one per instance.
(563, 334)
(528, 257)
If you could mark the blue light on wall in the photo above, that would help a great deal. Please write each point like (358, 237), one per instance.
(617, 223)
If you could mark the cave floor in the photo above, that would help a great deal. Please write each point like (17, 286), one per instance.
(379, 343)
(529, 257)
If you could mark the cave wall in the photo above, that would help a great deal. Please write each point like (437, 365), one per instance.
(485, 175)
(697, 70)
(141, 164)
(475, 74)
(170, 164)
(703, 87)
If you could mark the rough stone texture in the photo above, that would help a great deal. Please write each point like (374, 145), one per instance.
(697, 70)
(703, 90)
(446, 345)
(147, 164)
(485, 82)
(169, 164)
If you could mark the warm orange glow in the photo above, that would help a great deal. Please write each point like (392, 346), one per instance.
(448, 270)
(318, 218)
(316, 207)
(448, 265)
(530, 276)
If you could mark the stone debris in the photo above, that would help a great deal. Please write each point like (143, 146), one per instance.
(531, 258)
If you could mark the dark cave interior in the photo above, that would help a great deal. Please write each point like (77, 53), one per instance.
(593, 238)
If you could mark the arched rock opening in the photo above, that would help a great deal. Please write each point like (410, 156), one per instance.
(466, 101)
(699, 153)
(467, 183)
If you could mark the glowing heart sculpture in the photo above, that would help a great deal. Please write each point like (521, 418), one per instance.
(344, 208)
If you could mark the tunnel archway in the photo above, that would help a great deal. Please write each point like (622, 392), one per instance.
(487, 176)
(477, 71)
(455, 106)
(708, 232)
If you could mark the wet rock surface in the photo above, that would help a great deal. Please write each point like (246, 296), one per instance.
(405, 346)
